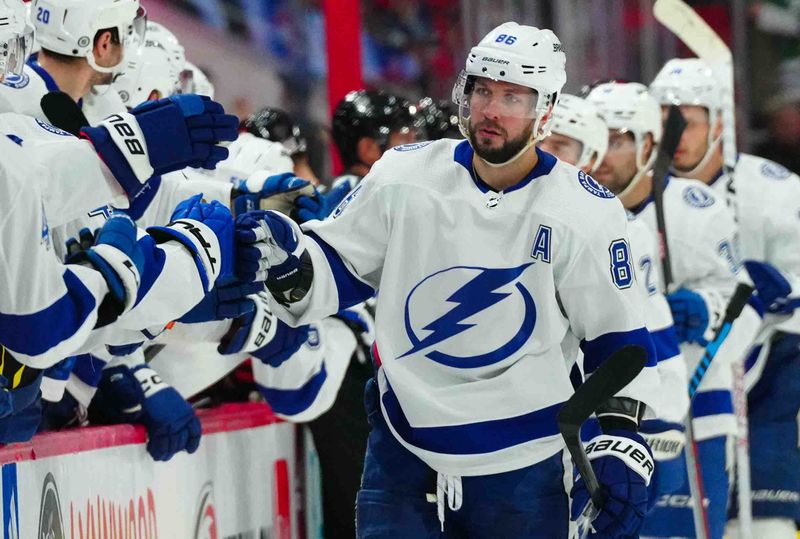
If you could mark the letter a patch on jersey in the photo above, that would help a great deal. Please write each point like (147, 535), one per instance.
(541, 245)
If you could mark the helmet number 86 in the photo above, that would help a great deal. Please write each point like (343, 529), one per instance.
(506, 38)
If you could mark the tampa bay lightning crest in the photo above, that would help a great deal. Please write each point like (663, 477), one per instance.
(591, 185)
(17, 81)
(694, 196)
(467, 317)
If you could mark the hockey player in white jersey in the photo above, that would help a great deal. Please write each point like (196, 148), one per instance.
(83, 46)
(578, 134)
(766, 199)
(486, 252)
(701, 234)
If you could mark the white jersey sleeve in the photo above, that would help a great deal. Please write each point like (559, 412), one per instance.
(47, 310)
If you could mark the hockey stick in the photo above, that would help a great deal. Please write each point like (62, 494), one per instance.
(613, 374)
(673, 129)
(63, 112)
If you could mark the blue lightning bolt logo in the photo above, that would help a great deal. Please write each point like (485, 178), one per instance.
(475, 296)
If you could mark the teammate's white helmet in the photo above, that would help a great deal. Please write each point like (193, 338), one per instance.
(690, 81)
(16, 37)
(149, 74)
(194, 81)
(578, 119)
(68, 26)
(249, 154)
(517, 54)
(162, 35)
(629, 108)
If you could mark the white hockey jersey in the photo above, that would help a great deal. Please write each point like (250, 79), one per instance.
(701, 234)
(672, 400)
(477, 291)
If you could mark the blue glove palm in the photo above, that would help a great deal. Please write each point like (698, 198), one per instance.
(162, 136)
(249, 193)
(772, 287)
(286, 342)
(139, 396)
(225, 301)
(621, 460)
(320, 206)
(690, 314)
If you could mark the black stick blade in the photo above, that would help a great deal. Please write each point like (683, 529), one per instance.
(63, 112)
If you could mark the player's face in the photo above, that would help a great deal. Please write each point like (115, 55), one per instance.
(565, 148)
(619, 165)
(694, 141)
(501, 119)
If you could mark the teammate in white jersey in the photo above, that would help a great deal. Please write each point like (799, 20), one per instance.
(766, 199)
(83, 45)
(486, 253)
(701, 236)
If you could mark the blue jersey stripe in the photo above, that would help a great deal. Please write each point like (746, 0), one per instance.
(712, 402)
(472, 438)
(36, 333)
(294, 401)
(598, 350)
(154, 260)
(666, 343)
(89, 369)
(352, 290)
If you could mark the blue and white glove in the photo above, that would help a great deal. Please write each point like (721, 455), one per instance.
(322, 204)
(277, 192)
(228, 300)
(139, 395)
(20, 410)
(206, 230)
(118, 257)
(772, 287)
(162, 136)
(690, 314)
(263, 335)
(270, 247)
(624, 466)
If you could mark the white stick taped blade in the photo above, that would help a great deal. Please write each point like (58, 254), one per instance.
(684, 22)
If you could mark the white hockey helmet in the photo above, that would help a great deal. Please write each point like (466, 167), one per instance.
(578, 119)
(194, 81)
(16, 37)
(160, 34)
(629, 108)
(68, 27)
(691, 81)
(249, 154)
(518, 54)
(149, 74)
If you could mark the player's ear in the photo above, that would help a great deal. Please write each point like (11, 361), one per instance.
(102, 43)
(368, 150)
(647, 147)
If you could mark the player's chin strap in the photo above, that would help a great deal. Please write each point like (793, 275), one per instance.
(641, 170)
(712, 149)
(536, 136)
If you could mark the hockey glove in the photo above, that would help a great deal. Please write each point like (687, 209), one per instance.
(321, 205)
(286, 342)
(162, 136)
(690, 314)
(206, 230)
(772, 287)
(277, 192)
(139, 395)
(118, 257)
(224, 302)
(250, 331)
(666, 441)
(624, 466)
(271, 248)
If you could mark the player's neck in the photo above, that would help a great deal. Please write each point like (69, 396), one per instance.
(638, 194)
(503, 177)
(359, 169)
(74, 79)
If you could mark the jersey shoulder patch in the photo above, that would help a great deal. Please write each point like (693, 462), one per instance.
(17, 81)
(412, 146)
(774, 171)
(591, 185)
(52, 129)
(697, 197)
